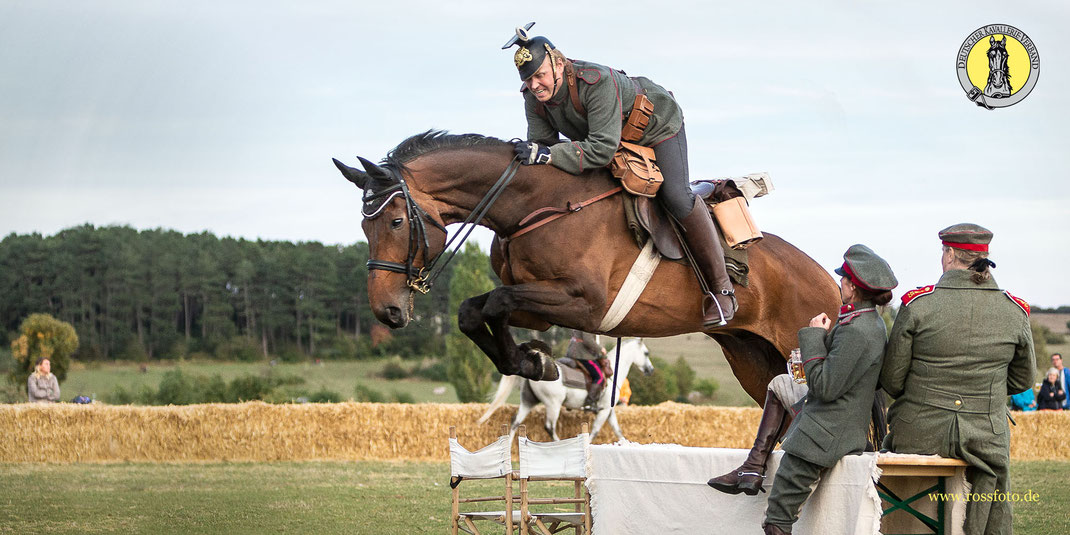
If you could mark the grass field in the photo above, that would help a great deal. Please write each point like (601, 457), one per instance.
(314, 497)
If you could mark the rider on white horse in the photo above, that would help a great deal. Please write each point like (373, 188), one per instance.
(585, 349)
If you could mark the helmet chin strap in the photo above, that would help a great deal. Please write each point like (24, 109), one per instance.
(553, 69)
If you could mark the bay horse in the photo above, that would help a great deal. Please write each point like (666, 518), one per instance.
(566, 272)
(554, 394)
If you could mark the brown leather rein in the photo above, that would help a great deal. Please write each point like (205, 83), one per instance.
(558, 213)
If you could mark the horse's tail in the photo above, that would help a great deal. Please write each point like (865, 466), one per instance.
(879, 420)
(505, 387)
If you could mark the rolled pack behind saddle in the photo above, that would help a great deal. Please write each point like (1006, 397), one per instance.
(575, 375)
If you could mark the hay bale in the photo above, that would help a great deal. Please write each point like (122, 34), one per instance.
(258, 431)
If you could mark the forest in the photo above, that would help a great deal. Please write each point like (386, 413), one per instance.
(159, 294)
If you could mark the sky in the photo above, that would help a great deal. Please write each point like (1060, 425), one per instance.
(224, 116)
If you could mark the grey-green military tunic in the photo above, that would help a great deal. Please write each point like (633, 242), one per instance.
(956, 351)
(607, 96)
(842, 370)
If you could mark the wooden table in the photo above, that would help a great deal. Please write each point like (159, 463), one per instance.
(909, 475)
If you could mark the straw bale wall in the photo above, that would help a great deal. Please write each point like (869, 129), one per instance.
(371, 431)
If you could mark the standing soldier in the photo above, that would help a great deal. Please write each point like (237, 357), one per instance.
(589, 104)
(843, 364)
(585, 349)
(957, 349)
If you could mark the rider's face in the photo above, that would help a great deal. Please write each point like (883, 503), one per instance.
(541, 84)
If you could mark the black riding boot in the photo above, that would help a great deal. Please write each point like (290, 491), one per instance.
(748, 478)
(705, 245)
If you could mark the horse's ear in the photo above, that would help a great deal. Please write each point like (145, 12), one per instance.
(356, 176)
(376, 172)
(991, 39)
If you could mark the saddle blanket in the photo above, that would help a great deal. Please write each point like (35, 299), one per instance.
(661, 488)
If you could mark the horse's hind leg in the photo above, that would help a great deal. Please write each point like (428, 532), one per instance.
(553, 411)
(754, 361)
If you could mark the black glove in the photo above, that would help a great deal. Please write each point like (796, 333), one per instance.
(531, 153)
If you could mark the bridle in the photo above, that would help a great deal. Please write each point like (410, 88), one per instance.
(421, 279)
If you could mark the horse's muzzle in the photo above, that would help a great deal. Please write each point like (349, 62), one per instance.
(393, 317)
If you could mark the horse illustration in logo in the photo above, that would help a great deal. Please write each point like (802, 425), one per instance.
(999, 76)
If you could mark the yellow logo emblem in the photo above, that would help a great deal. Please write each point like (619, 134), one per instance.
(998, 65)
(522, 56)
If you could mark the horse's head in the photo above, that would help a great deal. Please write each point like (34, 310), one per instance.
(642, 359)
(400, 241)
(997, 54)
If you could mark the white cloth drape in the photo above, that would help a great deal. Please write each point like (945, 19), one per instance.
(642, 489)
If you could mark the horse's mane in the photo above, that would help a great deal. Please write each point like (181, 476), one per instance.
(432, 140)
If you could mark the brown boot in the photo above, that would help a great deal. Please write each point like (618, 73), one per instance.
(705, 245)
(749, 476)
(773, 529)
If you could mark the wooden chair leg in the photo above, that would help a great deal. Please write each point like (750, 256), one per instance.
(471, 526)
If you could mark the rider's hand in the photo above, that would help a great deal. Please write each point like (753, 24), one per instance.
(531, 153)
(821, 320)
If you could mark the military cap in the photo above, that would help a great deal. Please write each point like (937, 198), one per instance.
(531, 53)
(966, 236)
(867, 270)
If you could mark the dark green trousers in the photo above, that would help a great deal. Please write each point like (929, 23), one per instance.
(792, 485)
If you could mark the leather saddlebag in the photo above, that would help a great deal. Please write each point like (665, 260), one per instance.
(735, 221)
(635, 167)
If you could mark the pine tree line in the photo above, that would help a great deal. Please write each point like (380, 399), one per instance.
(159, 294)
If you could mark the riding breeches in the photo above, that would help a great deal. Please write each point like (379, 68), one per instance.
(675, 192)
(597, 375)
(787, 391)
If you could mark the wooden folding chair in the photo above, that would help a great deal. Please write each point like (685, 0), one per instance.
(491, 462)
(563, 460)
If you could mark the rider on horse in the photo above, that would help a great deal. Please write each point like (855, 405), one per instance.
(585, 349)
(584, 102)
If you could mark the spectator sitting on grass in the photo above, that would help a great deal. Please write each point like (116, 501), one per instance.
(42, 386)
(1025, 401)
(1051, 395)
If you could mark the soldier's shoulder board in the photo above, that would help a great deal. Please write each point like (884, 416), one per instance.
(591, 76)
(1018, 301)
(916, 293)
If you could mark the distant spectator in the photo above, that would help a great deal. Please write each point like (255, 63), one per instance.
(1064, 376)
(1051, 397)
(625, 392)
(42, 386)
(1025, 401)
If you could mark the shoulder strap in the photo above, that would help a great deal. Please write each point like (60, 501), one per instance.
(573, 91)
(1018, 301)
(916, 293)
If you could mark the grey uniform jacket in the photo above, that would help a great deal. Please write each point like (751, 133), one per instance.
(607, 96)
(956, 351)
(842, 369)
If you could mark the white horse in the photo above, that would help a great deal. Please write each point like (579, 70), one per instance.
(554, 394)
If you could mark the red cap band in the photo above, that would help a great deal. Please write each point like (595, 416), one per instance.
(857, 282)
(982, 247)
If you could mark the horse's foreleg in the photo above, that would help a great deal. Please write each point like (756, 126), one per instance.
(543, 299)
(472, 322)
(615, 426)
(553, 411)
(521, 415)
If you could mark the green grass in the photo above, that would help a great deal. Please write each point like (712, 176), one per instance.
(339, 376)
(315, 497)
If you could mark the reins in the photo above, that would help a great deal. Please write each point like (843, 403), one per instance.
(558, 212)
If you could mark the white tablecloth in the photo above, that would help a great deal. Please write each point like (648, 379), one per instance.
(661, 489)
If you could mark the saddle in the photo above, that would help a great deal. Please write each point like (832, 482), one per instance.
(647, 218)
(575, 375)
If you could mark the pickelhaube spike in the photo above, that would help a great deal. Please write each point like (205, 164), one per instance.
(533, 50)
(521, 36)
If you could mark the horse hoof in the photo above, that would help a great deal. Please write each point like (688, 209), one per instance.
(536, 364)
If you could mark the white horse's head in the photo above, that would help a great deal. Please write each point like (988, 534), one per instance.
(634, 351)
